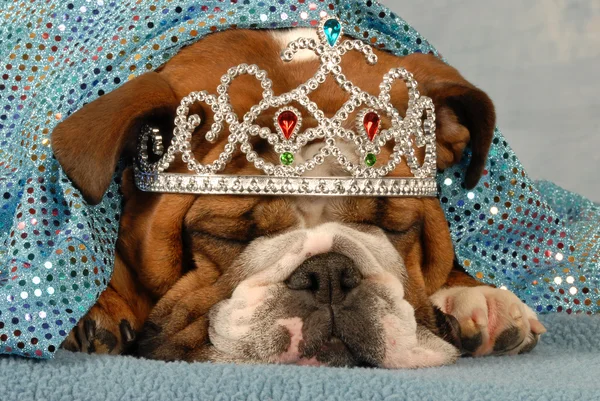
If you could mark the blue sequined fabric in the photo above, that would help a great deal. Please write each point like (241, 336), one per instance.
(57, 252)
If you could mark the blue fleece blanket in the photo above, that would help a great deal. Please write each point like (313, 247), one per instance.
(565, 366)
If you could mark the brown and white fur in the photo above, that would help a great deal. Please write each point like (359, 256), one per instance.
(336, 281)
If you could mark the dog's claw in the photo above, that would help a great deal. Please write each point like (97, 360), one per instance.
(127, 333)
(89, 328)
(77, 337)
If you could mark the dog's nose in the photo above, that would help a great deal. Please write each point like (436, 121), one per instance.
(329, 276)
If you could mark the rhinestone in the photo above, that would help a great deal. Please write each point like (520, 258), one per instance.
(287, 158)
(304, 187)
(371, 122)
(254, 186)
(271, 186)
(206, 184)
(382, 189)
(287, 121)
(288, 187)
(370, 159)
(332, 29)
(322, 187)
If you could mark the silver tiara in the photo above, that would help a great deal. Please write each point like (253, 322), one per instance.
(366, 175)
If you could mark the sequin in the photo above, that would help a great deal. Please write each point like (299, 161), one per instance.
(60, 55)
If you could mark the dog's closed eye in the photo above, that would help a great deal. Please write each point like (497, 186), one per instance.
(225, 228)
(402, 231)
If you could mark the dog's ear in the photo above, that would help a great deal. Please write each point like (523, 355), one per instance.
(437, 249)
(464, 113)
(89, 143)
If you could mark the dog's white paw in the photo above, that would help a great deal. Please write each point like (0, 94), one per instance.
(489, 321)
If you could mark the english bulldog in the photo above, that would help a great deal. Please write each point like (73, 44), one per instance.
(337, 281)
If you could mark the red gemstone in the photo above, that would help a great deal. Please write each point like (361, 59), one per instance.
(287, 120)
(371, 123)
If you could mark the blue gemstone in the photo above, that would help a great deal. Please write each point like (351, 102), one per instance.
(332, 29)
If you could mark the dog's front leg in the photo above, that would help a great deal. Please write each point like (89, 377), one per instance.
(177, 328)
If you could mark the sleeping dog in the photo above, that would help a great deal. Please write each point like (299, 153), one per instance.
(337, 281)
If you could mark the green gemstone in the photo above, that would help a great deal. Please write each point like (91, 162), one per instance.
(370, 159)
(287, 158)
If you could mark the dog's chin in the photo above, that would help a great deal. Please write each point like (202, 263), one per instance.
(333, 352)
(317, 350)
(318, 341)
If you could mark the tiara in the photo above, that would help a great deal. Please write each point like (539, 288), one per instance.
(363, 177)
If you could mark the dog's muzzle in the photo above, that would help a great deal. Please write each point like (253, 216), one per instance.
(331, 295)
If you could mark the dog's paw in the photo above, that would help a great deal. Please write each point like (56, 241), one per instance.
(177, 328)
(102, 332)
(489, 321)
(179, 334)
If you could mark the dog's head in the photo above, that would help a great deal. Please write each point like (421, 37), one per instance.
(339, 281)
